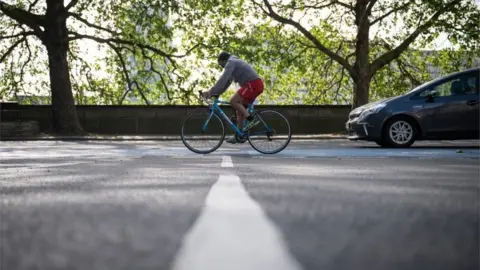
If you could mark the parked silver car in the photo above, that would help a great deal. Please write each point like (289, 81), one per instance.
(445, 108)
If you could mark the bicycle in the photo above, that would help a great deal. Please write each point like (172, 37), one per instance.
(205, 125)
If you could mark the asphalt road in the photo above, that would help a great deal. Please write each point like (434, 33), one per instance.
(329, 204)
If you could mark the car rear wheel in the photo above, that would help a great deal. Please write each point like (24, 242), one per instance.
(399, 132)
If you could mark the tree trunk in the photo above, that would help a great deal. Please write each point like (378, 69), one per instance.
(361, 90)
(361, 68)
(65, 120)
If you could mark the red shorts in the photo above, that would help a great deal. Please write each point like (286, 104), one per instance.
(251, 90)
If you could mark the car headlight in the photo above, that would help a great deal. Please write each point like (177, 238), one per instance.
(356, 111)
(372, 110)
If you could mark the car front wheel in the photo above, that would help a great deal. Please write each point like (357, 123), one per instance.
(399, 132)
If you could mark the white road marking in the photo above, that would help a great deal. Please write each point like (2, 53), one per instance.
(233, 233)
(227, 162)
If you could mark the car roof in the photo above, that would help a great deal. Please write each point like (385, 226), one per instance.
(453, 74)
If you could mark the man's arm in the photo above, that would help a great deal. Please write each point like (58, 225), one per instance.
(224, 81)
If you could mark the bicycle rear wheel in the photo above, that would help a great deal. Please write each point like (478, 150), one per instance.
(202, 133)
(272, 134)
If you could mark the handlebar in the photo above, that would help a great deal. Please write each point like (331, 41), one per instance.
(200, 94)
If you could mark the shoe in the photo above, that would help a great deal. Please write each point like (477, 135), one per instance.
(234, 139)
(242, 140)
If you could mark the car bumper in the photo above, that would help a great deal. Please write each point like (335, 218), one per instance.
(368, 131)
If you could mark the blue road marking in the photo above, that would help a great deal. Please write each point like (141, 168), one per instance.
(345, 152)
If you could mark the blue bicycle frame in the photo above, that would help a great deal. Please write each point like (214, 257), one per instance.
(215, 109)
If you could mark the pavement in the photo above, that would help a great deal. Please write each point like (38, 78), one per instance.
(319, 204)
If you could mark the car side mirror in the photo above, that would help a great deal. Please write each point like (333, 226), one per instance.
(431, 95)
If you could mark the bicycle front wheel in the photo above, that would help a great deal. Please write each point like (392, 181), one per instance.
(202, 132)
(272, 134)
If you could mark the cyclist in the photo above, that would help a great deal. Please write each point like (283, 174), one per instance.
(251, 86)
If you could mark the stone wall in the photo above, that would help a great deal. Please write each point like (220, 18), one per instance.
(167, 120)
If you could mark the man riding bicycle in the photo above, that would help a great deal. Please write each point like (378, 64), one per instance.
(251, 87)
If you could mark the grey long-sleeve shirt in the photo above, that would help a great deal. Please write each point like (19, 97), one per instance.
(237, 70)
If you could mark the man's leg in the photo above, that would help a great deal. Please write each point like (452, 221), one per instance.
(245, 95)
(237, 102)
(240, 120)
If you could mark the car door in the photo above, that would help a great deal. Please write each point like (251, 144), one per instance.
(453, 113)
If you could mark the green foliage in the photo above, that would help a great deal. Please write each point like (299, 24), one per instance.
(294, 70)
(135, 38)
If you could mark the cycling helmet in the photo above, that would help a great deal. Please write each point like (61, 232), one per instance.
(222, 58)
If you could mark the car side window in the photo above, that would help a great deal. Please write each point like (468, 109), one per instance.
(472, 85)
(465, 84)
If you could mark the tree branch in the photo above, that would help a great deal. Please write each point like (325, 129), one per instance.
(75, 36)
(126, 75)
(124, 68)
(22, 69)
(83, 5)
(10, 50)
(366, 12)
(271, 13)
(122, 98)
(71, 4)
(404, 6)
(307, 45)
(330, 84)
(320, 5)
(451, 26)
(109, 41)
(84, 69)
(141, 92)
(27, 33)
(170, 57)
(152, 68)
(189, 50)
(86, 22)
(339, 85)
(370, 5)
(402, 65)
(29, 19)
(362, 12)
(295, 57)
(32, 5)
(14, 82)
(187, 93)
(166, 86)
(403, 69)
(345, 5)
(391, 55)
